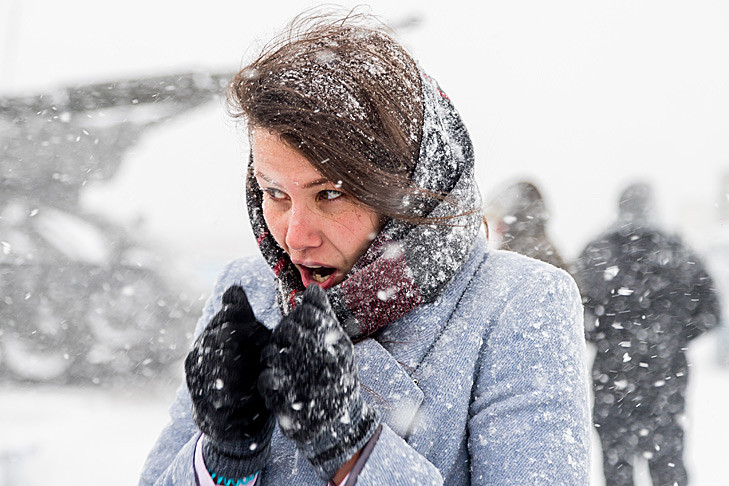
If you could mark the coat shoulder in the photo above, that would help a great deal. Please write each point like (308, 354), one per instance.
(249, 272)
(509, 284)
(507, 272)
(257, 279)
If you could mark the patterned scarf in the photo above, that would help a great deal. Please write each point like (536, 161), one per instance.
(407, 264)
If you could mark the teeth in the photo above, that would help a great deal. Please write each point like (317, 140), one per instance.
(316, 275)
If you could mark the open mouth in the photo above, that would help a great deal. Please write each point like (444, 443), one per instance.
(316, 273)
(321, 274)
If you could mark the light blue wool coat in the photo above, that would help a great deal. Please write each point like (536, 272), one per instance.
(485, 386)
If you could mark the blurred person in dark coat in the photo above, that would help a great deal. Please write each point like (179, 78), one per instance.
(520, 218)
(646, 296)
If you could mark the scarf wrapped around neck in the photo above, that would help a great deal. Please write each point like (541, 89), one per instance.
(406, 265)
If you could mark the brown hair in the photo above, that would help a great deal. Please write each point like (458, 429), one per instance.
(344, 94)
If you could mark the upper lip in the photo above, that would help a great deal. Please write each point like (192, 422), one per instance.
(310, 264)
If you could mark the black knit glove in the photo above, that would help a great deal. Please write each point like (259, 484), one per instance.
(310, 382)
(222, 370)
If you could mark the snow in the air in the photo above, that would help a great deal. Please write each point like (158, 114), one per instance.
(579, 97)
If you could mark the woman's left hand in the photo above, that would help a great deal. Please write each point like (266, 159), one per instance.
(310, 382)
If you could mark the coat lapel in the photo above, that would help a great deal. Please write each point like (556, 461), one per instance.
(387, 387)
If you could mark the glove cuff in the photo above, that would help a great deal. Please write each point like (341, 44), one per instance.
(339, 441)
(238, 458)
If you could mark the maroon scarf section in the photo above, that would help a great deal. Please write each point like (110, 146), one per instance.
(381, 292)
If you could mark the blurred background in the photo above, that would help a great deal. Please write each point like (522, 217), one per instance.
(121, 182)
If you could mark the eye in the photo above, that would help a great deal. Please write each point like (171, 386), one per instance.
(274, 193)
(330, 194)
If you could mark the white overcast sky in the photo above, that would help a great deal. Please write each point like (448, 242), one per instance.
(579, 96)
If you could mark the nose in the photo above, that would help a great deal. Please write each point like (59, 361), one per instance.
(304, 229)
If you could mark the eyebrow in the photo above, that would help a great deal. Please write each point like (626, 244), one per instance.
(316, 182)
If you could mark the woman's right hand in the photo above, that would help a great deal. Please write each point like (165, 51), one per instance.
(222, 370)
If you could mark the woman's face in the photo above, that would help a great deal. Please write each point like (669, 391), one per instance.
(323, 230)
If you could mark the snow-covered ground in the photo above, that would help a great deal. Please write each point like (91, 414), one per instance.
(72, 436)
(78, 436)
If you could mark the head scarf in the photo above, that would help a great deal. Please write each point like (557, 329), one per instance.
(406, 265)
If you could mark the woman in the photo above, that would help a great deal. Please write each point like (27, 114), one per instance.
(467, 366)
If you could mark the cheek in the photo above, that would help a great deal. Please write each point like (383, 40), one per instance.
(361, 229)
(277, 225)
